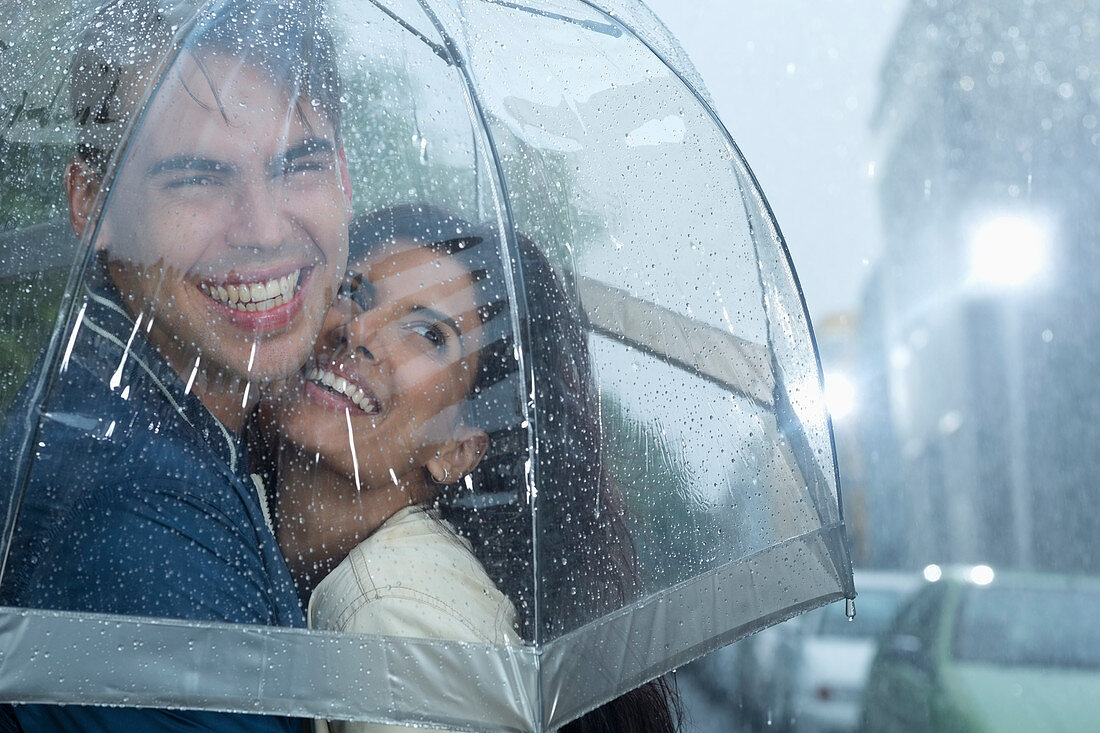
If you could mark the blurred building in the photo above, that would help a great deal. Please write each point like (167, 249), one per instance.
(980, 338)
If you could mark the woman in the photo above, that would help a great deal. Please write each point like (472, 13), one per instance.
(391, 515)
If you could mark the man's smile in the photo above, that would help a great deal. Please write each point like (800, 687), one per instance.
(263, 295)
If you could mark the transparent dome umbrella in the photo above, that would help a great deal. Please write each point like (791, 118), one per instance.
(613, 409)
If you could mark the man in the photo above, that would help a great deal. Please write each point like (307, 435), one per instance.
(219, 245)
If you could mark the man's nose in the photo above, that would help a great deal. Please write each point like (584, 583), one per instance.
(261, 220)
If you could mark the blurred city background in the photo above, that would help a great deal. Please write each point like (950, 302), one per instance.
(934, 166)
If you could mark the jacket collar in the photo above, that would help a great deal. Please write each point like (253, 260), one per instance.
(129, 364)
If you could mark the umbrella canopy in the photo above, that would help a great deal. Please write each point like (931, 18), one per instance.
(565, 327)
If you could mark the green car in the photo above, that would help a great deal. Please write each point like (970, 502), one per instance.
(976, 650)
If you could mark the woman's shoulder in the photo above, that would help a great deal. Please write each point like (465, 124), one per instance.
(414, 577)
(413, 552)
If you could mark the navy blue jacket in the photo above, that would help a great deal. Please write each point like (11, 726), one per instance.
(138, 502)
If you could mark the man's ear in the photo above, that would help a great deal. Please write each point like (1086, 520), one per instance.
(460, 456)
(82, 187)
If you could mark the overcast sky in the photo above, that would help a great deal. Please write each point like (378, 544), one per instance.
(795, 82)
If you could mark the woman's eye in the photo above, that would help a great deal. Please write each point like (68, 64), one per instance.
(432, 333)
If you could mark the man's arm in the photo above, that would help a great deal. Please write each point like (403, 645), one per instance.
(162, 549)
(166, 549)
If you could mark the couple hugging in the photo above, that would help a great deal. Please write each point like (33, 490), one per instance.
(267, 405)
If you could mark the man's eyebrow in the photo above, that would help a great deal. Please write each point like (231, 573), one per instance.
(438, 316)
(311, 146)
(189, 163)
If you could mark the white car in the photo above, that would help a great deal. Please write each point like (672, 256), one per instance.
(821, 668)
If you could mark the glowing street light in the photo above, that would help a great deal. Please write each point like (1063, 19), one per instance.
(1009, 250)
(840, 395)
(981, 575)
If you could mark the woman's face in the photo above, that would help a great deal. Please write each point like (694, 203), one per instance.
(384, 391)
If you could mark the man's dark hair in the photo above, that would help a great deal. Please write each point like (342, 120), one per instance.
(129, 44)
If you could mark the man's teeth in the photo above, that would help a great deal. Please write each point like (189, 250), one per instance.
(255, 296)
(342, 386)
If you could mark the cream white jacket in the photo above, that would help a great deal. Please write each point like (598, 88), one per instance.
(412, 577)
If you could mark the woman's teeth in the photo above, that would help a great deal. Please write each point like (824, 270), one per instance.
(259, 296)
(362, 400)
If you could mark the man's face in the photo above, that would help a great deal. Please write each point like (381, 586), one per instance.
(226, 228)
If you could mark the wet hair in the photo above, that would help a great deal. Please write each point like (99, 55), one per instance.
(128, 45)
(585, 559)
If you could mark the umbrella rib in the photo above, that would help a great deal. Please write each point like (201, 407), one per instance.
(437, 49)
(713, 353)
(604, 28)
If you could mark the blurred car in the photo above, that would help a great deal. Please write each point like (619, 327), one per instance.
(755, 674)
(982, 651)
(822, 664)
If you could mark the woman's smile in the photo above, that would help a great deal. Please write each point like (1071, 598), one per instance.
(328, 387)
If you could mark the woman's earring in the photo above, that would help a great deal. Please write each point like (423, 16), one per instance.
(447, 478)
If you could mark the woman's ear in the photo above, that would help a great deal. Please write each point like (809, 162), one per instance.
(460, 456)
(81, 187)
